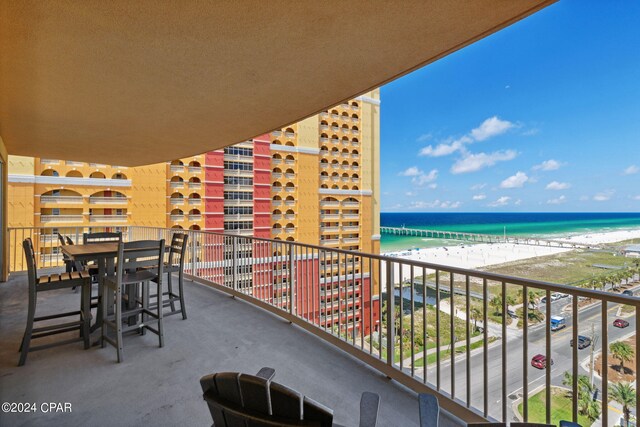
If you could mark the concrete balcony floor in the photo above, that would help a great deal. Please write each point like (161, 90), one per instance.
(159, 386)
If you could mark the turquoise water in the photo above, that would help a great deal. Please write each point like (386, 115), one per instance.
(550, 225)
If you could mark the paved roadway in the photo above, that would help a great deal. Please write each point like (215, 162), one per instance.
(561, 353)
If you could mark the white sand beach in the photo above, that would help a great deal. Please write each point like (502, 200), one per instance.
(480, 255)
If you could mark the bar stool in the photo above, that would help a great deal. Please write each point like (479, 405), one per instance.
(49, 283)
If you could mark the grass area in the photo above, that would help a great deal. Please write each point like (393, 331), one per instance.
(535, 316)
(445, 354)
(560, 408)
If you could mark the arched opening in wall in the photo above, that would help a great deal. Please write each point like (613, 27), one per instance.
(97, 175)
(194, 180)
(177, 212)
(276, 157)
(289, 172)
(345, 152)
(290, 212)
(335, 176)
(354, 117)
(345, 140)
(335, 112)
(277, 226)
(290, 185)
(289, 199)
(177, 179)
(290, 239)
(194, 212)
(355, 129)
(345, 164)
(289, 144)
(119, 175)
(177, 195)
(335, 163)
(335, 139)
(335, 187)
(289, 158)
(355, 140)
(324, 186)
(74, 174)
(50, 172)
(194, 227)
(335, 151)
(289, 130)
(277, 212)
(277, 184)
(324, 149)
(324, 137)
(324, 173)
(345, 176)
(345, 116)
(354, 104)
(290, 226)
(99, 195)
(324, 123)
(355, 177)
(355, 187)
(277, 199)
(194, 164)
(355, 165)
(324, 161)
(194, 196)
(344, 187)
(349, 200)
(276, 142)
(177, 163)
(277, 170)
(179, 227)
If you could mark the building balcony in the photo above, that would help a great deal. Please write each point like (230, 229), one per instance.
(195, 185)
(276, 133)
(335, 128)
(289, 216)
(176, 201)
(289, 189)
(238, 202)
(355, 179)
(345, 155)
(355, 120)
(61, 199)
(49, 162)
(324, 165)
(350, 240)
(350, 228)
(197, 217)
(276, 175)
(324, 177)
(355, 168)
(351, 216)
(351, 204)
(289, 202)
(176, 184)
(108, 218)
(108, 200)
(290, 162)
(195, 202)
(61, 218)
(329, 216)
(324, 139)
(195, 169)
(290, 175)
(324, 127)
(329, 229)
(345, 167)
(324, 115)
(276, 202)
(330, 242)
(276, 189)
(335, 140)
(276, 231)
(324, 152)
(335, 178)
(97, 165)
(289, 135)
(176, 218)
(355, 156)
(176, 168)
(238, 217)
(276, 161)
(236, 187)
(355, 143)
(329, 203)
(237, 157)
(72, 163)
(355, 131)
(290, 230)
(276, 217)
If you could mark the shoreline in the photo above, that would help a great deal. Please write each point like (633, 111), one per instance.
(478, 255)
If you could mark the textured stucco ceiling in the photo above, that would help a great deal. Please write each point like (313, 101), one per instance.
(146, 81)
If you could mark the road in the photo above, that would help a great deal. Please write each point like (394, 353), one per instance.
(561, 353)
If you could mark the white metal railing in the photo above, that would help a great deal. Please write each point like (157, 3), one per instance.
(324, 139)
(350, 228)
(355, 131)
(289, 134)
(72, 163)
(330, 216)
(276, 217)
(350, 298)
(276, 161)
(289, 202)
(195, 217)
(176, 168)
(61, 218)
(276, 188)
(276, 175)
(195, 185)
(194, 201)
(334, 229)
(276, 133)
(351, 204)
(49, 161)
(176, 200)
(108, 200)
(289, 189)
(350, 240)
(176, 217)
(350, 216)
(290, 175)
(290, 161)
(195, 169)
(60, 199)
(176, 184)
(107, 218)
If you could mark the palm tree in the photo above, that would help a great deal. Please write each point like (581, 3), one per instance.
(625, 395)
(584, 385)
(621, 351)
(592, 410)
(496, 303)
(475, 315)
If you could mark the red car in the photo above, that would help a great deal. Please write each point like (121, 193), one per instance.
(540, 361)
(620, 323)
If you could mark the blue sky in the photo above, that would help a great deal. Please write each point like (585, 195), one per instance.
(542, 116)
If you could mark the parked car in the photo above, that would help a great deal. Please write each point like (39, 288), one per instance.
(628, 293)
(555, 296)
(540, 361)
(620, 323)
(583, 342)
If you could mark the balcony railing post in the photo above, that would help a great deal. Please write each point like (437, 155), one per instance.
(391, 322)
(194, 258)
(234, 262)
(292, 279)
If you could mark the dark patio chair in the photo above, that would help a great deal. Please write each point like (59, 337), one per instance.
(102, 237)
(175, 264)
(49, 283)
(135, 265)
(237, 399)
(429, 410)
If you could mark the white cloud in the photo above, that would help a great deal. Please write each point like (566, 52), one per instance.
(479, 197)
(491, 127)
(412, 171)
(475, 162)
(502, 201)
(478, 187)
(445, 149)
(636, 197)
(433, 186)
(518, 202)
(531, 132)
(557, 201)
(515, 181)
(548, 165)
(603, 196)
(631, 170)
(555, 185)
(424, 137)
(446, 204)
(423, 178)
(409, 194)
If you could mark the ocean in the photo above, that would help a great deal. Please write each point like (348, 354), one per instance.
(550, 225)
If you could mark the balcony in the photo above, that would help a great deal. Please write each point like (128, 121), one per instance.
(289, 216)
(176, 218)
(107, 218)
(276, 161)
(176, 168)
(276, 175)
(351, 216)
(351, 204)
(290, 230)
(330, 242)
(197, 217)
(335, 116)
(355, 120)
(172, 372)
(329, 216)
(350, 240)
(195, 202)
(195, 185)
(324, 177)
(324, 165)
(355, 131)
(195, 169)
(72, 163)
(329, 203)
(290, 161)
(276, 188)
(49, 162)
(61, 218)
(335, 128)
(290, 175)
(289, 189)
(176, 201)
(176, 184)
(97, 165)
(276, 133)
(350, 228)
(276, 217)
(335, 140)
(355, 156)
(355, 143)
(61, 199)
(276, 231)
(496, 368)
(108, 200)
(289, 202)
(324, 127)
(238, 217)
(289, 135)
(329, 229)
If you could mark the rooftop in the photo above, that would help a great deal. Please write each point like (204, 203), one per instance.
(159, 386)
